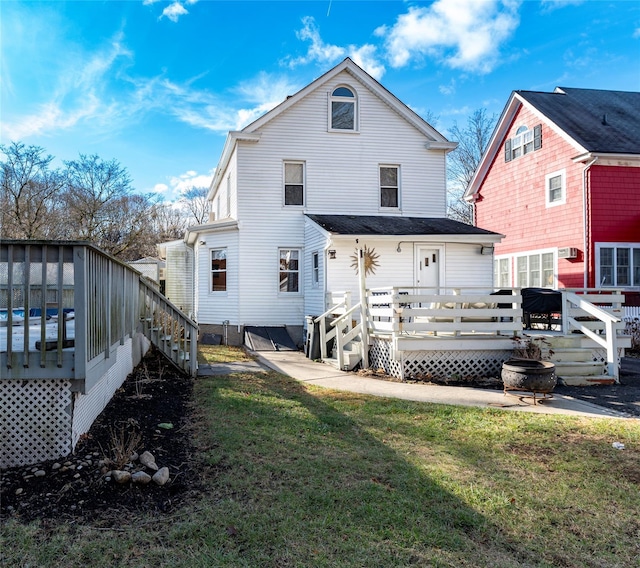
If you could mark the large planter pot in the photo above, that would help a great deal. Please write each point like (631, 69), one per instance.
(529, 375)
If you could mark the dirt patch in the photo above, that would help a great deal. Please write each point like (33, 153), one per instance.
(79, 488)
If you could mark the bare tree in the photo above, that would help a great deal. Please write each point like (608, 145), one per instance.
(29, 193)
(464, 160)
(195, 202)
(102, 208)
(169, 222)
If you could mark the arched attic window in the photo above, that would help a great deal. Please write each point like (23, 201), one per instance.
(343, 109)
(526, 140)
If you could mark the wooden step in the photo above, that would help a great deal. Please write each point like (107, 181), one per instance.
(567, 354)
(586, 381)
(579, 368)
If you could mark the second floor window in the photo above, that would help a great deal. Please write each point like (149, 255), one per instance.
(389, 186)
(343, 109)
(555, 188)
(294, 183)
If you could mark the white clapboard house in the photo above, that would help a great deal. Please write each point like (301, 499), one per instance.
(338, 167)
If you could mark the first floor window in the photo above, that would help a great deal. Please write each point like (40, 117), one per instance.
(315, 269)
(289, 270)
(294, 183)
(502, 272)
(219, 270)
(389, 186)
(620, 265)
(535, 270)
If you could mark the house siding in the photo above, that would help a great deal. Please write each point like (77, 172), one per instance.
(513, 200)
(314, 298)
(614, 207)
(216, 307)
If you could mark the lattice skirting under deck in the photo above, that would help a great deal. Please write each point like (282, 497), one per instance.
(35, 421)
(437, 364)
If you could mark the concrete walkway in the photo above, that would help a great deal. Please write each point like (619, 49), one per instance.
(296, 365)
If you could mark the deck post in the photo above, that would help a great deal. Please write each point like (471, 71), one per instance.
(80, 299)
(364, 320)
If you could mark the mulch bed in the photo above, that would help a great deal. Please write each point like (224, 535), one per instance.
(77, 488)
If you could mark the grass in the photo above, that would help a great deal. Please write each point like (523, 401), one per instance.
(305, 477)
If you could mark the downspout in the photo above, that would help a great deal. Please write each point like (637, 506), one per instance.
(585, 239)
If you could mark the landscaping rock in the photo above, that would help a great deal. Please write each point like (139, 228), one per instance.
(147, 460)
(141, 478)
(121, 477)
(161, 476)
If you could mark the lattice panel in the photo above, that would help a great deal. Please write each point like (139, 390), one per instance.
(35, 421)
(88, 406)
(380, 358)
(445, 364)
(600, 354)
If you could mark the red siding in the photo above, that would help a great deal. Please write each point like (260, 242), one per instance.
(513, 200)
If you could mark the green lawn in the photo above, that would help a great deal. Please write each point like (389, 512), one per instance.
(302, 476)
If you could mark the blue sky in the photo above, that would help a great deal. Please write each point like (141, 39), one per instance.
(156, 85)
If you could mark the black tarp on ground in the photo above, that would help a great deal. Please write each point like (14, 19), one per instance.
(261, 338)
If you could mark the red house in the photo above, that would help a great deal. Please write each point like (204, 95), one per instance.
(561, 180)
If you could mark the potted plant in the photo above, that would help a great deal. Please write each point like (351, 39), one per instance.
(526, 371)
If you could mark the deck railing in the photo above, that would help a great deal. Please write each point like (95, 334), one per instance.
(66, 306)
(424, 313)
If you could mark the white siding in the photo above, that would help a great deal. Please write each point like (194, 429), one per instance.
(342, 177)
(394, 268)
(216, 307)
(467, 267)
(315, 241)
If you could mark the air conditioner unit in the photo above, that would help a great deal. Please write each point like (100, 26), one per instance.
(567, 252)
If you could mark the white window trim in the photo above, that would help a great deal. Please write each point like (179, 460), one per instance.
(315, 272)
(600, 246)
(211, 290)
(563, 182)
(300, 273)
(540, 252)
(304, 184)
(380, 206)
(496, 271)
(356, 110)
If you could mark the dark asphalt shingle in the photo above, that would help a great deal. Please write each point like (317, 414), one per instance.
(385, 225)
(600, 121)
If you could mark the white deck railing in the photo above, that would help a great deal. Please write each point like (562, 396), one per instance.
(471, 313)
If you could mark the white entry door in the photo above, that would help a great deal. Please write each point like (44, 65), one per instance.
(428, 267)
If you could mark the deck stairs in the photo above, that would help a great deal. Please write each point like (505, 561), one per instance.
(351, 356)
(573, 356)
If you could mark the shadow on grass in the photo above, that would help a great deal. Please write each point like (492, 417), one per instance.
(299, 482)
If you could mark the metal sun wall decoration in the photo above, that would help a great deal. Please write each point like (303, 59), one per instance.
(370, 260)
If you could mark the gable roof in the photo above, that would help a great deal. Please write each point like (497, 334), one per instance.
(250, 133)
(594, 121)
(396, 226)
(600, 121)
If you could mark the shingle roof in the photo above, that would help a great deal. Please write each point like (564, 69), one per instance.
(383, 225)
(600, 121)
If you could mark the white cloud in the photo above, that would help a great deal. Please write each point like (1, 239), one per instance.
(463, 34)
(78, 97)
(174, 11)
(327, 54)
(636, 33)
(549, 5)
(318, 51)
(366, 57)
